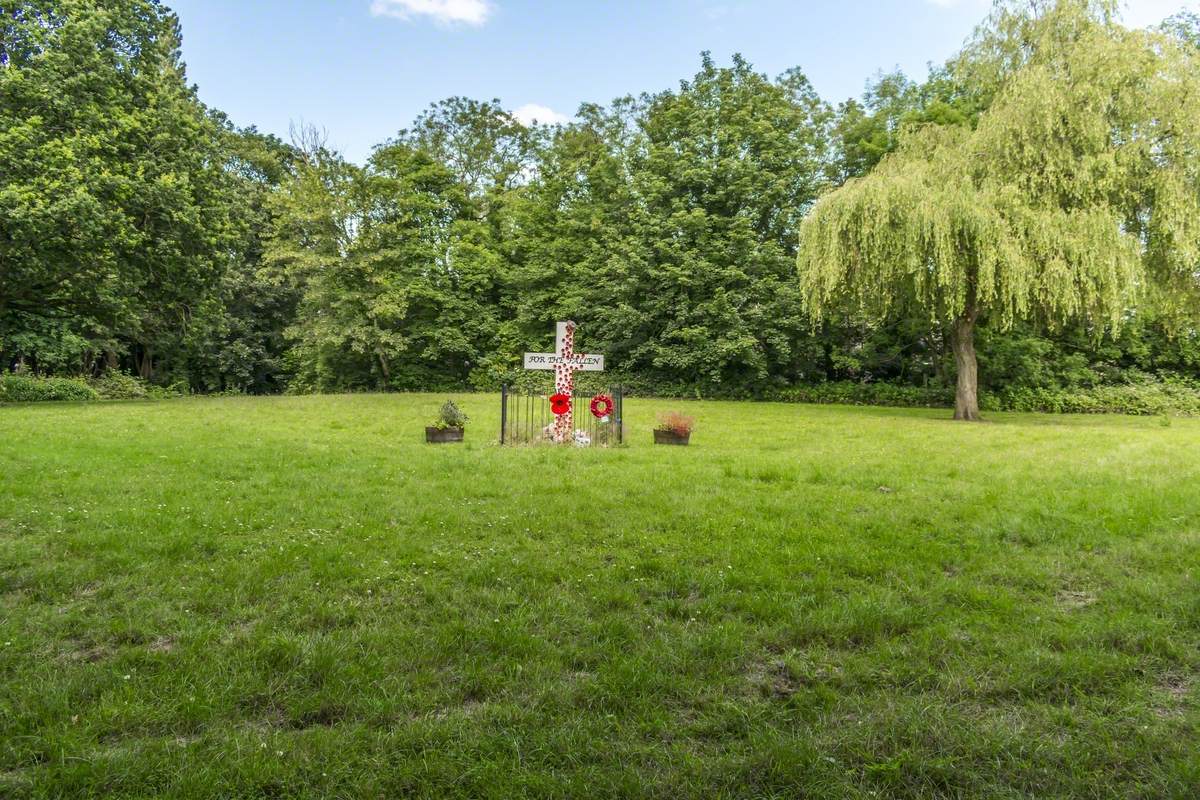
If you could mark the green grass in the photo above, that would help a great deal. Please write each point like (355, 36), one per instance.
(296, 597)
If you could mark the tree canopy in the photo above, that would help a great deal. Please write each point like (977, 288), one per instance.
(1032, 199)
(115, 218)
(1073, 193)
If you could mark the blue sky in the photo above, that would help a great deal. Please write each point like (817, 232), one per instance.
(363, 69)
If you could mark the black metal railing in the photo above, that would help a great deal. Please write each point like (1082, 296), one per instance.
(526, 418)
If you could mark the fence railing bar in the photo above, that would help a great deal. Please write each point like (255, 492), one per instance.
(525, 416)
(503, 411)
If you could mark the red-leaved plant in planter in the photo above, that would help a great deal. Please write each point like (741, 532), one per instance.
(679, 424)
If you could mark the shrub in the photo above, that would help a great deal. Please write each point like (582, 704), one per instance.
(34, 389)
(114, 385)
(179, 388)
(852, 393)
(1150, 397)
(677, 423)
(450, 416)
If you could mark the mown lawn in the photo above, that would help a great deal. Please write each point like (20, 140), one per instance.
(296, 597)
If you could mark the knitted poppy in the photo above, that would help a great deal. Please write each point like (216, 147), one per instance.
(560, 403)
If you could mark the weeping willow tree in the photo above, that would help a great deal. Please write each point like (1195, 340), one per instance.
(1075, 196)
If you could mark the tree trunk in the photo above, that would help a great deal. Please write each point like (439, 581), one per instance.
(966, 395)
(146, 363)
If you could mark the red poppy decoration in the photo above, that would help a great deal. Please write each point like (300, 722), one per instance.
(602, 406)
(560, 404)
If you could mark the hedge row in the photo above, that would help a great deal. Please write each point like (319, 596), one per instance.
(30, 389)
(1154, 396)
(120, 386)
(852, 393)
(1149, 398)
(16, 388)
(1142, 399)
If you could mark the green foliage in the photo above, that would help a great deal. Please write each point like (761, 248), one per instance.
(236, 340)
(667, 225)
(864, 132)
(450, 416)
(852, 393)
(395, 268)
(111, 385)
(439, 263)
(1185, 27)
(49, 344)
(114, 385)
(1145, 397)
(1076, 190)
(115, 211)
(1148, 397)
(487, 150)
(21, 388)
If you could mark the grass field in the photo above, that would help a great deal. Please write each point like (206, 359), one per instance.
(296, 597)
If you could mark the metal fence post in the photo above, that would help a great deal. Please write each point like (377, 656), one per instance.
(620, 408)
(503, 410)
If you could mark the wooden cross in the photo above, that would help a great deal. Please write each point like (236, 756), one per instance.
(565, 362)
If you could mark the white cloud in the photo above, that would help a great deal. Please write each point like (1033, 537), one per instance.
(443, 12)
(532, 112)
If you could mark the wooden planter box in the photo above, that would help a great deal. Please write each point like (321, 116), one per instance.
(671, 437)
(443, 435)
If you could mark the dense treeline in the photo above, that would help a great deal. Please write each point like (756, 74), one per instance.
(141, 232)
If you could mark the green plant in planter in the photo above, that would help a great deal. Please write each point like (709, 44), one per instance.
(450, 416)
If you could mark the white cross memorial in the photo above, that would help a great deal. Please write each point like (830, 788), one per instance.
(565, 362)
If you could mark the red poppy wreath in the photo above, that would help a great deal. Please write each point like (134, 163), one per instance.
(602, 406)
